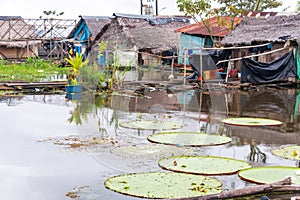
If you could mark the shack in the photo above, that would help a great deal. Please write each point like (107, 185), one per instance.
(208, 33)
(140, 39)
(265, 45)
(85, 32)
(15, 42)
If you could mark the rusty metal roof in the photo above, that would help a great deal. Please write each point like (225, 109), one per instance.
(219, 27)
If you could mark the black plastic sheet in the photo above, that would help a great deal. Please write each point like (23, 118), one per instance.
(209, 60)
(277, 70)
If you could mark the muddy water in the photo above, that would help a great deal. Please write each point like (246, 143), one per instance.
(38, 160)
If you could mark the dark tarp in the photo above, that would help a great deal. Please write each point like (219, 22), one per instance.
(209, 60)
(277, 70)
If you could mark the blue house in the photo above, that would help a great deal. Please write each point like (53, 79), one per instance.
(85, 32)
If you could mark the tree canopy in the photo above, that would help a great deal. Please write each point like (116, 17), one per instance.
(203, 8)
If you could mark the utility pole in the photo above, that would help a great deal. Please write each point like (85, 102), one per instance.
(156, 7)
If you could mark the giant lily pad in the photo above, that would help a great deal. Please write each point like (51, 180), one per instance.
(151, 125)
(206, 165)
(270, 174)
(151, 150)
(163, 185)
(188, 139)
(248, 121)
(291, 152)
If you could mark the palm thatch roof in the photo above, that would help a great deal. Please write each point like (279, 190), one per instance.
(155, 33)
(264, 29)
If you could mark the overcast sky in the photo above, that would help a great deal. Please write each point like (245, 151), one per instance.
(74, 8)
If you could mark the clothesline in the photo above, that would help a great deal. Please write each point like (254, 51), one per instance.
(255, 55)
(223, 48)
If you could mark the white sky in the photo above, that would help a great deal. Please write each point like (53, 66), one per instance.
(74, 8)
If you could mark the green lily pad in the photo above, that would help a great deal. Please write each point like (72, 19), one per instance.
(291, 152)
(205, 165)
(151, 150)
(188, 139)
(163, 185)
(271, 174)
(151, 125)
(248, 121)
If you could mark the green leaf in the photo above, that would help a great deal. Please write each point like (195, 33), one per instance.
(271, 174)
(150, 150)
(163, 185)
(248, 121)
(291, 152)
(205, 165)
(188, 139)
(151, 125)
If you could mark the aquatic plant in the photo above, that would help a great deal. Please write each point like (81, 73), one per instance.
(270, 174)
(188, 139)
(205, 165)
(290, 152)
(163, 185)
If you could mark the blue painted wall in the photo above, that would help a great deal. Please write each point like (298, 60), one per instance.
(189, 42)
(81, 34)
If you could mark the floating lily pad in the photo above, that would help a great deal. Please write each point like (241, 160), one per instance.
(248, 121)
(163, 185)
(151, 150)
(188, 139)
(205, 165)
(291, 152)
(271, 174)
(151, 125)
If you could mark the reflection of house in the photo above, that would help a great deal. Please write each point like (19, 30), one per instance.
(85, 31)
(273, 31)
(195, 35)
(156, 102)
(264, 135)
(15, 42)
(151, 36)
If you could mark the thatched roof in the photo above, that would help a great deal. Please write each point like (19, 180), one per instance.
(14, 29)
(156, 33)
(94, 23)
(259, 30)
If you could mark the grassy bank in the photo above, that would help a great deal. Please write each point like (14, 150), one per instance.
(31, 70)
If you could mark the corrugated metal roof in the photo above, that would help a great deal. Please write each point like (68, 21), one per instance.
(10, 17)
(219, 27)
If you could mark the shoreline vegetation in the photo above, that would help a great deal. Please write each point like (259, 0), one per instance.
(31, 70)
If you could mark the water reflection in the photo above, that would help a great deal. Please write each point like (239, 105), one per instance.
(41, 116)
(202, 111)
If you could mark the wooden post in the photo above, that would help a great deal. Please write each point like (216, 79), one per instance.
(201, 67)
(184, 73)
(136, 64)
(228, 70)
(172, 66)
(27, 48)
